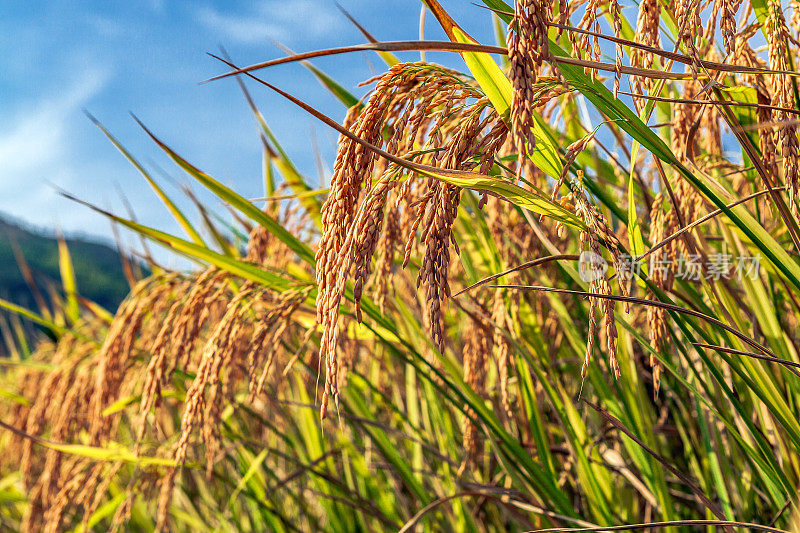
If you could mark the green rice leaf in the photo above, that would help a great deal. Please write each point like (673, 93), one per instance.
(238, 202)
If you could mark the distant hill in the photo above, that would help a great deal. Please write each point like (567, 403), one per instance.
(98, 268)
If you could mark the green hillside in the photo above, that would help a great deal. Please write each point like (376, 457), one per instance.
(98, 268)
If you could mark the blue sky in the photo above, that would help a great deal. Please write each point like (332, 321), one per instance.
(147, 57)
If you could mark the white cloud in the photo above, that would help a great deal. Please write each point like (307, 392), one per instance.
(106, 26)
(274, 20)
(309, 18)
(245, 30)
(34, 149)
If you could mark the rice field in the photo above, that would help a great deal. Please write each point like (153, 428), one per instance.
(556, 289)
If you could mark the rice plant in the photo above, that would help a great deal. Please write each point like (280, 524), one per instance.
(557, 289)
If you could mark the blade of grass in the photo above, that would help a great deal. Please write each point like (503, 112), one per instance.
(235, 200)
(165, 199)
(711, 506)
(388, 58)
(68, 281)
(112, 452)
(202, 253)
(279, 156)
